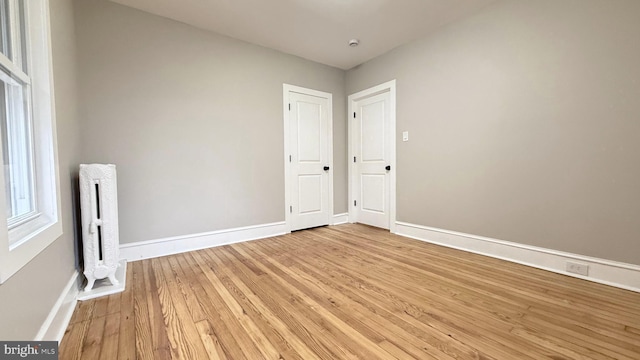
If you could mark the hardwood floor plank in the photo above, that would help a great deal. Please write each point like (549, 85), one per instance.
(359, 345)
(523, 276)
(210, 340)
(101, 306)
(186, 288)
(595, 312)
(226, 315)
(71, 347)
(181, 331)
(268, 325)
(299, 320)
(93, 342)
(440, 320)
(114, 303)
(559, 346)
(291, 331)
(143, 337)
(343, 307)
(395, 325)
(213, 310)
(83, 312)
(440, 314)
(110, 337)
(491, 326)
(224, 288)
(351, 292)
(583, 337)
(127, 341)
(478, 301)
(383, 328)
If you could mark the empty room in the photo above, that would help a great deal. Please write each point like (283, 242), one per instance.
(320, 179)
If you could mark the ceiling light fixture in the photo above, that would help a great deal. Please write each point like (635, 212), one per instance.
(354, 42)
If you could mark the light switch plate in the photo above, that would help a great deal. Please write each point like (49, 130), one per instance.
(405, 136)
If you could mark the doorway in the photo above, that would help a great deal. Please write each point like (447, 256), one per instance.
(372, 155)
(308, 144)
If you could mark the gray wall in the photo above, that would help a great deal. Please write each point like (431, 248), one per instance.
(523, 124)
(28, 296)
(192, 119)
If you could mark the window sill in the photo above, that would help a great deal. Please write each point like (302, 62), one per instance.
(28, 230)
(19, 253)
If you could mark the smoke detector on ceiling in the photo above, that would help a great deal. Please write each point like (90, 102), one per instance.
(354, 42)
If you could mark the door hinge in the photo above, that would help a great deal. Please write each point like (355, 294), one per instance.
(354, 159)
(289, 158)
(355, 203)
(290, 209)
(289, 107)
(354, 114)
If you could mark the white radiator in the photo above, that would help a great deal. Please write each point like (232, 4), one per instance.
(99, 208)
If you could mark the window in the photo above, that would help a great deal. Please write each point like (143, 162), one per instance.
(27, 133)
(15, 117)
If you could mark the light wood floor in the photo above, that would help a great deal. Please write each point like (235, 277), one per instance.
(351, 292)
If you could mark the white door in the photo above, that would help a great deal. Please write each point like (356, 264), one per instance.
(373, 151)
(309, 160)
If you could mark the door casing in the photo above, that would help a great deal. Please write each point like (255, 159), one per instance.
(389, 86)
(286, 90)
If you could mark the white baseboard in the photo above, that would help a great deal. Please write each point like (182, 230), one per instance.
(179, 244)
(58, 319)
(621, 275)
(340, 219)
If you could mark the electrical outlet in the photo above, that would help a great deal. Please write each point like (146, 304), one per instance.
(576, 268)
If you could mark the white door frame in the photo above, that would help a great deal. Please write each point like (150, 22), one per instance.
(389, 86)
(286, 89)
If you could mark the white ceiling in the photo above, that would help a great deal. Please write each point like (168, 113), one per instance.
(317, 30)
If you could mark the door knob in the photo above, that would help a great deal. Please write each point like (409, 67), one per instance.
(388, 167)
(326, 168)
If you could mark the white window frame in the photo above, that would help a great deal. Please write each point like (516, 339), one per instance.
(25, 240)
